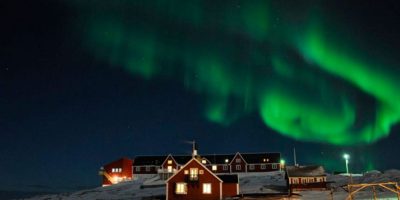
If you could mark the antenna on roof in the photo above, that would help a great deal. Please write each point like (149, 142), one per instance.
(294, 156)
(194, 149)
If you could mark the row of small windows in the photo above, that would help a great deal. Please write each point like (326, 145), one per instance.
(213, 168)
(147, 169)
(306, 180)
(181, 188)
(204, 161)
(116, 170)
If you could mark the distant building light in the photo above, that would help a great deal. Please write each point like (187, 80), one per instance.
(226, 160)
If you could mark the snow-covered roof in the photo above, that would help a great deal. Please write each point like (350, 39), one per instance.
(305, 171)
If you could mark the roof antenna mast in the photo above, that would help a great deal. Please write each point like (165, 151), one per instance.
(294, 156)
(194, 149)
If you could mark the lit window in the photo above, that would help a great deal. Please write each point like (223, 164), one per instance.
(225, 167)
(274, 166)
(169, 169)
(206, 188)
(226, 160)
(169, 162)
(186, 172)
(147, 169)
(194, 174)
(181, 188)
(238, 167)
(204, 161)
(201, 171)
(113, 170)
(214, 167)
(137, 169)
(263, 166)
(238, 160)
(251, 167)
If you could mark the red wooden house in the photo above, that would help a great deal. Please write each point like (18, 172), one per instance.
(147, 164)
(117, 171)
(306, 178)
(196, 182)
(262, 162)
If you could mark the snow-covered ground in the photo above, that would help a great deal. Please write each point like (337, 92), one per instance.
(273, 182)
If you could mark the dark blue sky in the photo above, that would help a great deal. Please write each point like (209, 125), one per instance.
(64, 113)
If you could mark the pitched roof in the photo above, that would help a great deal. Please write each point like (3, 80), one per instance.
(218, 158)
(253, 158)
(229, 178)
(305, 171)
(193, 160)
(250, 158)
(148, 160)
(183, 159)
(119, 160)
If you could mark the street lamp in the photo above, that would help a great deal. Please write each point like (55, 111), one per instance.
(347, 157)
(282, 164)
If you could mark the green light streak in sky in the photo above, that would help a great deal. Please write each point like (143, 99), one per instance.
(305, 81)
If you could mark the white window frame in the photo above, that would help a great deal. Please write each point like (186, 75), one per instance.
(169, 169)
(263, 167)
(238, 167)
(194, 174)
(225, 167)
(274, 166)
(251, 167)
(137, 169)
(238, 160)
(181, 188)
(207, 188)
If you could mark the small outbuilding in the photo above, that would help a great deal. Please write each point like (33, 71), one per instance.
(306, 178)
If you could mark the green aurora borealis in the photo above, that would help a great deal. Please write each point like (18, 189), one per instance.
(298, 66)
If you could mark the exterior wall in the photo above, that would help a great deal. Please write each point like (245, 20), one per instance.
(173, 164)
(126, 173)
(268, 167)
(307, 183)
(194, 188)
(146, 169)
(220, 168)
(230, 189)
(242, 163)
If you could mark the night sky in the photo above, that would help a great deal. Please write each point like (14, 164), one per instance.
(83, 83)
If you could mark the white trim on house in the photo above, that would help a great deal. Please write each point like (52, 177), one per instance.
(220, 190)
(166, 159)
(234, 158)
(166, 193)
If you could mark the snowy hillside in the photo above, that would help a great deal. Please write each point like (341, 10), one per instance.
(150, 186)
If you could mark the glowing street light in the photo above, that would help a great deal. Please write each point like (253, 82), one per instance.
(282, 164)
(347, 157)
